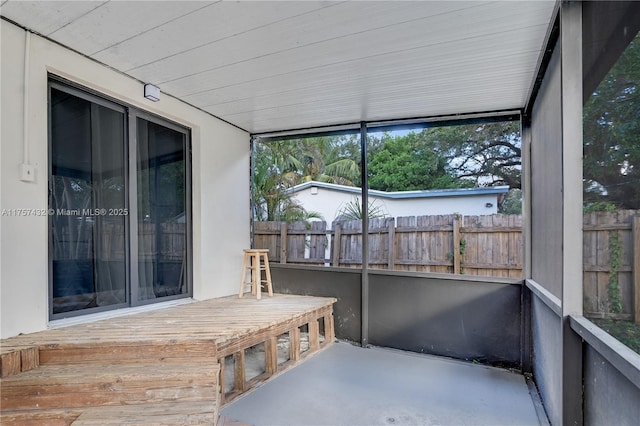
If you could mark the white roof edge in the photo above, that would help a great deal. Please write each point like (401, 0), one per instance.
(457, 192)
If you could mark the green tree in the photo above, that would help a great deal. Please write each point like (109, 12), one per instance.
(511, 203)
(279, 165)
(487, 153)
(611, 120)
(406, 163)
(352, 210)
(273, 173)
(322, 160)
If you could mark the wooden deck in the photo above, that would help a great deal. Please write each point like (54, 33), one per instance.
(182, 362)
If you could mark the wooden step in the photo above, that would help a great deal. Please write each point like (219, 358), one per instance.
(16, 358)
(143, 352)
(179, 413)
(52, 417)
(75, 386)
(175, 413)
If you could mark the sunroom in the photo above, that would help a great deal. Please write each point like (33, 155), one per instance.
(181, 114)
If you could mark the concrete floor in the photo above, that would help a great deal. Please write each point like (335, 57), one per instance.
(349, 385)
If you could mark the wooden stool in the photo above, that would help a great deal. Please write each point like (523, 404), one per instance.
(252, 261)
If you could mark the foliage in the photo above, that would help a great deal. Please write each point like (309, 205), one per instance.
(463, 249)
(615, 260)
(353, 210)
(271, 178)
(512, 202)
(320, 160)
(435, 158)
(611, 165)
(459, 156)
(489, 154)
(279, 165)
(599, 206)
(626, 332)
(408, 163)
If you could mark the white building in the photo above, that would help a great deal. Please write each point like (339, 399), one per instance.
(329, 199)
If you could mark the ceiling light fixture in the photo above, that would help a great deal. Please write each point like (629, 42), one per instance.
(152, 92)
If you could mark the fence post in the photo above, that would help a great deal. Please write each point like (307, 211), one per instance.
(456, 244)
(635, 235)
(337, 234)
(391, 226)
(283, 242)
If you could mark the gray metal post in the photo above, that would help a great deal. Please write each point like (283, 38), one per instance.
(365, 235)
(526, 343)
(571, 63)
(252, 163)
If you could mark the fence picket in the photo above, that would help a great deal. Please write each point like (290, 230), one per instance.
(493, 247)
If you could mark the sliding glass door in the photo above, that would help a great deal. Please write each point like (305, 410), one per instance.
(119, 198)
(162, 213)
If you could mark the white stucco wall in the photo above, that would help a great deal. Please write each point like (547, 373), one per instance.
(219, 174)
(328, 202)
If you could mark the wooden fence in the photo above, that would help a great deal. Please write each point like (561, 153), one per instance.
(168, 241)
(472, 245)
(477, 245)
(604, 253)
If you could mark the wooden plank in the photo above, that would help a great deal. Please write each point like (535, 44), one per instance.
(426, 243)
(314, 335)
(69, 353)
(329, 328)
(296, 241)
(318, 231)
(266, 236)
(29, 358)
(336, 245)
(304, 261)
(239, 373)
(456, 246)
(221, 380)
(255, 337)
(412, 244)
(10, 363)
(294, 344)
(71, 386)
(318, 242)
(421, 262)
(283, 243)
(376, 248)
(485, 229)
(52, 417)
(271, 355)
(607, 227)
(182, 413)
(422, 228)
(606, 268)
(492, 266)
(391, 229)
(471, 251)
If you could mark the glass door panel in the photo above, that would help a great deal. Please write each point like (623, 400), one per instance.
(162, 214)
(87, 202)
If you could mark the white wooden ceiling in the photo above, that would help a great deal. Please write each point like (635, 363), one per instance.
(280, 65)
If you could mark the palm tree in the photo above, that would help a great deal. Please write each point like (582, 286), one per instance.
(353, 210)
(322, 161)
(276, 170)
(279, 165)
